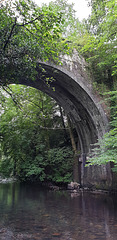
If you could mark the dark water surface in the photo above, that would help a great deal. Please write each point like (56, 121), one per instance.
(29, 212)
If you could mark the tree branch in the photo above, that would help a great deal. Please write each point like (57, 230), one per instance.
(14, 100)
(31, 32)
(20, 25)
(7, 41)
(37, 18)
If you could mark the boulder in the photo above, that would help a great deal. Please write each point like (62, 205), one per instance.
(73, 185)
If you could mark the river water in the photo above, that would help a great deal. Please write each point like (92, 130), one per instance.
(29, 212)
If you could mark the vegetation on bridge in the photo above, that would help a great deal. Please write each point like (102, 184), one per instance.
(29, 33)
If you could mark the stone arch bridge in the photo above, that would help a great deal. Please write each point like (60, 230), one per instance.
(70, 85)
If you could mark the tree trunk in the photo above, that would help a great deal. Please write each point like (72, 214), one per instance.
(74, 147)
(110, 79)
(62, 120)
(14, 169)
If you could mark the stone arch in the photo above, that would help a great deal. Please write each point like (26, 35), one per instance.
(72, 89)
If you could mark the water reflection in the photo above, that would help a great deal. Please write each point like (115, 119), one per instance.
(28, 212)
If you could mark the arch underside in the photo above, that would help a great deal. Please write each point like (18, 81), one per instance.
(75, 100)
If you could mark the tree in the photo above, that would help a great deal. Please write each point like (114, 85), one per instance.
(74, 31)
(32, 137)
(28, 33)
(106, 149)
(100, 48)
(75, 151)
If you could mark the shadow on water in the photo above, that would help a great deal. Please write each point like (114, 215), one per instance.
(29, 212)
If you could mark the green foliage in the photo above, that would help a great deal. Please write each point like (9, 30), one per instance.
(28, 33)
(106, 149)
(28, 124)
(73, 29)
(100, 48)
(5, 167)
(60, 165)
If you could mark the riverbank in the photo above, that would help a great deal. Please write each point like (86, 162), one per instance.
(72, 187)
(7, 180)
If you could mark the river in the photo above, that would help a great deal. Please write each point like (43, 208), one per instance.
(29, 212)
